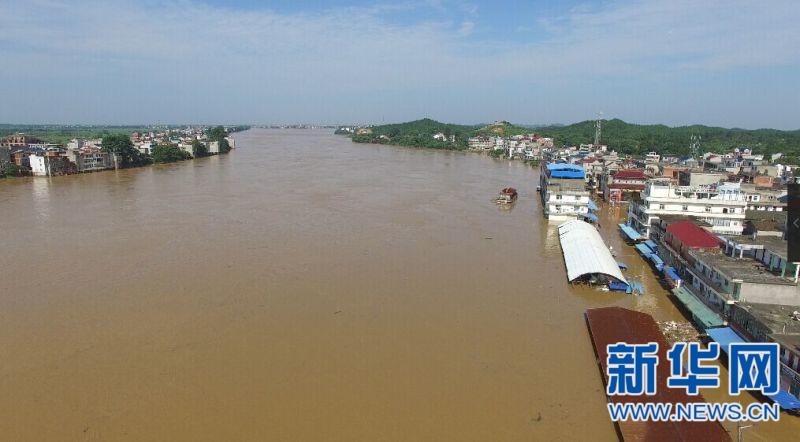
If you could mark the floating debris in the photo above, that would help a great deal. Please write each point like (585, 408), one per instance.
(676, 331)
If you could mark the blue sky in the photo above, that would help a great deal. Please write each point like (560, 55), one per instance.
(728, 63)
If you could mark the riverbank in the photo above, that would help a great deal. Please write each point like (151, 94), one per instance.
(26, 155)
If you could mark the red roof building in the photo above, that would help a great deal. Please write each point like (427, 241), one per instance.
(689, 235)
(623, 185)
(630, 174)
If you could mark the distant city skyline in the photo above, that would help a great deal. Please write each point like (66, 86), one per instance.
(718, 63)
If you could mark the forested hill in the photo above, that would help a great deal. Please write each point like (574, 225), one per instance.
(621, 136)
(639, 138)
(420, 133)
(417, 133)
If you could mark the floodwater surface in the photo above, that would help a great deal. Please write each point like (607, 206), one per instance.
(300, 288)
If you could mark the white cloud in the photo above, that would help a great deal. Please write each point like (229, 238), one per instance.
(263, 56)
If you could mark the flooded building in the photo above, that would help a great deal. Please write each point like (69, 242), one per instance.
(50, 162)
(773, 323)
(586, 256)
(623, 185)
(720, 205)
(563, 191)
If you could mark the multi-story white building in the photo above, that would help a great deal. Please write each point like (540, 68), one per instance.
(721, 205)
(480, 142)
(563, 192)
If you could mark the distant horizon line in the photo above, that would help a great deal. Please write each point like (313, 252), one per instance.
(339, 124)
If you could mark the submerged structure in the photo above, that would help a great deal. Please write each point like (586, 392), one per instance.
(609, 325)
(586, 256)
(563, 191)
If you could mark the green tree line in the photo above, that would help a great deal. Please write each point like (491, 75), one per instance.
(626, 138)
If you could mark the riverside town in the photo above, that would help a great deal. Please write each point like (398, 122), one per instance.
(447, 220)
(23, 154)
(711, 226)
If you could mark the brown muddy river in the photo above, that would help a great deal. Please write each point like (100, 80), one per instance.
(301, 288)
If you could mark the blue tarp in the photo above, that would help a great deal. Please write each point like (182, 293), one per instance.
(591, 216)
(564, 166)
(560, 170)
(632, 234)
(618, 287)
(785, 400)
(567, 174)
(657, 261)
(644, 250)
(673, 275)
(725, 336)
(636, 287)
(592, 205)
(652, 244)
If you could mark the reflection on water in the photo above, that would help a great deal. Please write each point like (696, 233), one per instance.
(40, 199)
(300, 288)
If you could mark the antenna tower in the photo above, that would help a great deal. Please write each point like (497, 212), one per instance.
(598, 128)
(695, 146)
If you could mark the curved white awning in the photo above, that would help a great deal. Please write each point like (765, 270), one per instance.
(585, 252)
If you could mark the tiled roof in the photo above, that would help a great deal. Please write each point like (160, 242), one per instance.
(630, 174)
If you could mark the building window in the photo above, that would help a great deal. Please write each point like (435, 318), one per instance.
(661, 206)
(708, 208)
(685, 208)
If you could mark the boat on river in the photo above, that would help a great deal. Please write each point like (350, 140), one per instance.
(507, 196)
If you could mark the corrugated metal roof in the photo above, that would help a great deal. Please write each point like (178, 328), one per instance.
(644, 250)
(692, 235)
(585, 252)
(700, 312)
(632, 234)
(610, 325)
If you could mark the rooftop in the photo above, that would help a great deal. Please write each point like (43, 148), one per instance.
(630, 174)
(669, 219)
(742, 269)
(609, 325)
(766, 215)
(772, 243)
(775, 316)
(567, 184)
(692, 235)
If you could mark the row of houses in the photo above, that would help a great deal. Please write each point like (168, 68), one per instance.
(736, 286)
(717, 232)
(31, 155)
(715, 228)
(525, 147)
(35, 157)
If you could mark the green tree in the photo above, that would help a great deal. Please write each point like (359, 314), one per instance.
(11, 170)
(122, 146)
(167, 153)
(199, 149)
(224, 146)
(216, 133)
